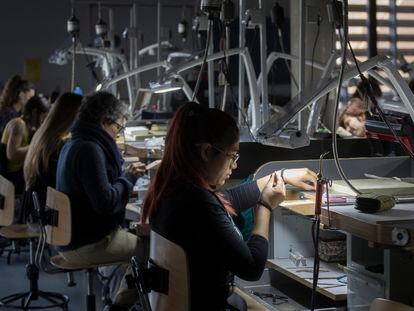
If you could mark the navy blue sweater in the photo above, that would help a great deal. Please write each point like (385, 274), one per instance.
(196, 220)
(97, 190)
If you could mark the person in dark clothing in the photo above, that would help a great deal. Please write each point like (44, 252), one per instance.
(185, 205)
(41, 160)
(13, 98)
(90, 172)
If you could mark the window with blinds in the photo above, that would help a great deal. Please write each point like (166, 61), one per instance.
(395, 28)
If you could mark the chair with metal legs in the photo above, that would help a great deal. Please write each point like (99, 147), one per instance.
(13, 233)
(164, 284)
(58, 231)
(34, 298)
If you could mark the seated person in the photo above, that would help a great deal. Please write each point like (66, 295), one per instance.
(184, 203)
(41, 161)
(17, 136)
(13, 98)
(90, 172)
(352, 119)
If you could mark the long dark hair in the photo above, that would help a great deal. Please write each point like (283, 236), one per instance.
(191, 125)
(32, 110)
(12, 89)
(50, 136)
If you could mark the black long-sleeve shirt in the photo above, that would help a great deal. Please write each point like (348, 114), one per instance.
(196, 220)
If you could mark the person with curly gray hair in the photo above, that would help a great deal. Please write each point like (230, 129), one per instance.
(90, 172)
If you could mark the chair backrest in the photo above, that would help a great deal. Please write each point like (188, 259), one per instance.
(61, 234)
(380, 304)
(7, 206)
(171, 257)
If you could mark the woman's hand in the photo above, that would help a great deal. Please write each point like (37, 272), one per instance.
(137, 169)
(300, 177)
(274, 191)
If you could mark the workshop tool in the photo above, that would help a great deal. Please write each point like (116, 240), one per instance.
(320, 184)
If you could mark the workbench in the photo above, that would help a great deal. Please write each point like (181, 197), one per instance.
(376, 266)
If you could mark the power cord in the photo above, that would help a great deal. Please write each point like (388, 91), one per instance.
(369, 93)
(282, 48)
(209, 31)
(90, 64)
(316, 262)
(233, 96)
(277, 16)
(338, 93)
(367, 86)
(234, 100)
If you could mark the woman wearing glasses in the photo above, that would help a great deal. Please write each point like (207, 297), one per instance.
(184, 203)
(90, 172)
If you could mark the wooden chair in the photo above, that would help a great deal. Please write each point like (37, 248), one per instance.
(380, 304)
(19, 232)
(13, 232)
(59, 233)
(171, 257)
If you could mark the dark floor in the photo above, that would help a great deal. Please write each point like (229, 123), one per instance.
(13, 280)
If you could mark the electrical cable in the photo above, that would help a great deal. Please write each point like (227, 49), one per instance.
(89, 64)
(320, 184)
(316, 260)
(72, 83)
(314, 47)
(73, 28)
(366, 84)
(368, 92)
(209, 31)
(278, 19)
(233, 96)
(327, 185)
(338, 93)
(282, 48)
(228, 80)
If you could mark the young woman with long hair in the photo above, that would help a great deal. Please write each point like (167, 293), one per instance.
(41, 160)
(13, 98)
(16, 138)
(184, 203)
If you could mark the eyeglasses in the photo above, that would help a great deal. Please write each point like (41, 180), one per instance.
(234, 156)
(119, 127)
